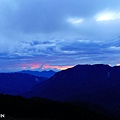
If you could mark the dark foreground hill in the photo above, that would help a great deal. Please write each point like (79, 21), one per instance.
(94, 84)
(16, 83)
(18, 108)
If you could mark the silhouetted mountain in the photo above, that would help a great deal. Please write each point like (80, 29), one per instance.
(16, 83)
(95, 84)
(79, 79)
(18, 108)
(46, 74)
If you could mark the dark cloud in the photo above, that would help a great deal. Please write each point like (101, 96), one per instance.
(56, 31)
(48, 16)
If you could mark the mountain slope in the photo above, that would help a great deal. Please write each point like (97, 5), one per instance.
(79, 79)
(97, 84)
(16, 83)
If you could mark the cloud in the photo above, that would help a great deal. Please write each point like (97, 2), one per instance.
(75, 20)
(65, 32)
(108, 16)
(48, 17)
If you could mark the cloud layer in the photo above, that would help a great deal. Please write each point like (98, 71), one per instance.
(58, 33)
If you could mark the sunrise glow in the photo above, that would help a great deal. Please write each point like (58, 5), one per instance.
(30, 65)
(39, 66)
(117, 64)
(47, 66)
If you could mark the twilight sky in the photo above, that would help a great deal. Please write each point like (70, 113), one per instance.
(49, 34)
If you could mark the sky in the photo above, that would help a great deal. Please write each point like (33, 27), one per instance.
(58, 34)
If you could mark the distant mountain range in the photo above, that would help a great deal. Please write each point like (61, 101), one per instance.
(20, 82)
(16, 83)
(46, 74)
(96, 84)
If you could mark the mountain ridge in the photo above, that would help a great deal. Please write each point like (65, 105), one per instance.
(16, 83)
(45, 73)
(96, 84)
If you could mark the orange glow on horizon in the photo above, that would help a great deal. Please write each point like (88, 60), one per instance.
(31, 65)
(56, 67)
(117, 64)
(34, 66)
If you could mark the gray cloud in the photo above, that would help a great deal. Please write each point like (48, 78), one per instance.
(46, 16)
(53, 31)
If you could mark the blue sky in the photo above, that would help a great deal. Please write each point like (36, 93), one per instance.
(38, 34)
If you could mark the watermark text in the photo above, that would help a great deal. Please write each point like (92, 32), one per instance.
(2, 115)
